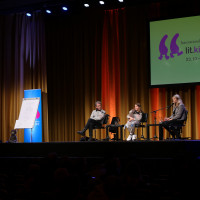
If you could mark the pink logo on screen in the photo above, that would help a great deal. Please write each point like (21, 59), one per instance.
(38, 115)
(173, 47)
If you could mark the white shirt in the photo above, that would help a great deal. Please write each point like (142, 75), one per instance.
(97, 115)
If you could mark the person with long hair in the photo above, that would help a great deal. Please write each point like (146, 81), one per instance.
(134, 117)
(178, 117)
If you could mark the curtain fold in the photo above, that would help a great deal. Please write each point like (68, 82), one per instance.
(23, 66)
(106, 57)
(74, 73)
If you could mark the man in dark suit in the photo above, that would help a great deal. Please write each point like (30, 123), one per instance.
(177, 118)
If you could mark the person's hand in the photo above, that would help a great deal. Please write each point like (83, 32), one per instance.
(131, 119)
(166, 119)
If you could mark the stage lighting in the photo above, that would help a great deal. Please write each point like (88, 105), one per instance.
(121, 0)
(86, 5)
(28, 14)
(48, 11)
(64, 8)
(101, 2)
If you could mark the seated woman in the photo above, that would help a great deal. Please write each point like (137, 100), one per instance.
(134, 117)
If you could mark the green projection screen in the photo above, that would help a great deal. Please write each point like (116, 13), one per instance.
(175, 51)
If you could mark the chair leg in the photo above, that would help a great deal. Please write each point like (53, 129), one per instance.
(137, 133)
(125, 134)
(121, 133)
(142, 136)
(117, 135)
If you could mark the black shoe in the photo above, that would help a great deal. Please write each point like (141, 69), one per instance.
(84, 139)
(90, 139)
(81, 133)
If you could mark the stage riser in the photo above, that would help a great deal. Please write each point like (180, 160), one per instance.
(144, 149)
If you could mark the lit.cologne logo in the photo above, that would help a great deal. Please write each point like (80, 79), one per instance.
(173, 47)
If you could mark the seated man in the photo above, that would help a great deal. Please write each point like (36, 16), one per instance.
(177, 118)
(96, 118)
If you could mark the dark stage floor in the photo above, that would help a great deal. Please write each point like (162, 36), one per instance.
(146, 149)
(141, 169)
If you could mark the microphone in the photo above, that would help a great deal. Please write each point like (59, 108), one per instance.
(170, 105)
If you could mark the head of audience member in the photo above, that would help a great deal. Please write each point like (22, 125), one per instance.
(98, 105)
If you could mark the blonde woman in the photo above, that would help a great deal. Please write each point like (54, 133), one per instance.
(134, 117)
(178, 117)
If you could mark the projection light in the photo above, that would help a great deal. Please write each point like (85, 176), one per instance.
(64, 8)
(86, 5)
(48, 11)
(28, 14)
(101, 2)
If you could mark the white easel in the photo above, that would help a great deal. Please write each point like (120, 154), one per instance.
(27, 114)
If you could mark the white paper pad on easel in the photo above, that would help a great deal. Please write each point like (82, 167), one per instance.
(28, 113)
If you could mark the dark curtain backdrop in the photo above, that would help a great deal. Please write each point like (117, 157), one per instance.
(74, 72)
(81, 58)
(22, 66)
(95, 56)
(104, 55)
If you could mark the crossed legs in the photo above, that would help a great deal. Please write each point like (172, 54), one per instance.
(91, 123)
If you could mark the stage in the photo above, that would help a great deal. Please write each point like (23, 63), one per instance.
(140, 149)
(166, 167)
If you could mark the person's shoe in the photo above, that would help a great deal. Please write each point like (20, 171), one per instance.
(90, 139)
(83, 139)
(134, 137)
(81, 133)
(129, 137)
